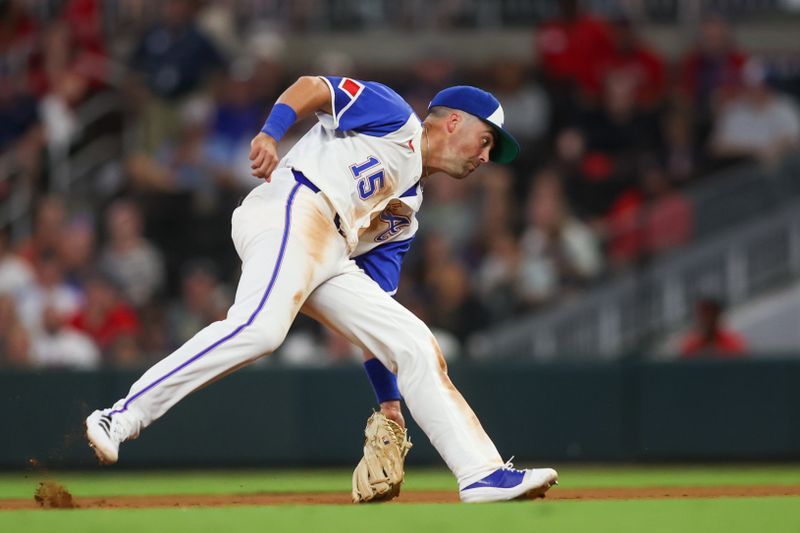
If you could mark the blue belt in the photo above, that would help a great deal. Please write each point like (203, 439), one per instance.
(301, 178)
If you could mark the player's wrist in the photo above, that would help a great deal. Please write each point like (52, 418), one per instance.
(280, 119)
(394, 412)
(384, 383)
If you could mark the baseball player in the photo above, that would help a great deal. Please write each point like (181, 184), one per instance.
(326, 234)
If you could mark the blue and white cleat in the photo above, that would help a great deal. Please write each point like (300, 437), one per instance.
(508, 483)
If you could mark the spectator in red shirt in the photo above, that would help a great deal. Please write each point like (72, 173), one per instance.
(648, 220)
(711, 337)
(567, 48)
(19, 34)
(109, 321)
(631, 57)
(571, 44)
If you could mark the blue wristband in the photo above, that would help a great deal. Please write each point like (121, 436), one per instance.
(279, 121)
(384, 383)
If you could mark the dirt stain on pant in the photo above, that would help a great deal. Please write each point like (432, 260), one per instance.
(458, 399)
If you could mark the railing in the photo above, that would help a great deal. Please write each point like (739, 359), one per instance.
(70, 167)
(742, 193)
(624, 314)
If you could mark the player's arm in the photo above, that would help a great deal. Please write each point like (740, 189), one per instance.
(305, 96)
(384, 383)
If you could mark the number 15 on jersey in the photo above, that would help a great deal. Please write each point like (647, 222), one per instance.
(369, 175)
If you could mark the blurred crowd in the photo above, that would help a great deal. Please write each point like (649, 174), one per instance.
(613, 136)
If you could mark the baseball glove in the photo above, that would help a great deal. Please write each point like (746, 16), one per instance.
(379, 474)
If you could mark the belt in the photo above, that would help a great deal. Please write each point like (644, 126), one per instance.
(302, 179)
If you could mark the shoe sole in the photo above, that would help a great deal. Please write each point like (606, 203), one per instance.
(102, 457)
(534, 493)
(537, 492)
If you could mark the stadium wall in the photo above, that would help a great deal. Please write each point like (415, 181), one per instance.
(630, 411)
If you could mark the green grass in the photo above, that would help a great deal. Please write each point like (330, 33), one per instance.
(725, 514)
(111, 482)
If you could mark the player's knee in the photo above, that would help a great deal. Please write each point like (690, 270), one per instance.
(421, 352)
(266, 342)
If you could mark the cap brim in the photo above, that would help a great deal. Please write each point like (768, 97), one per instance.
(506, 147)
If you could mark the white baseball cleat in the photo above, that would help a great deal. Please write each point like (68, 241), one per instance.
(105, 433)
(508, 483)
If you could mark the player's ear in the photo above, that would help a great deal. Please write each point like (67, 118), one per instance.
(453, 119)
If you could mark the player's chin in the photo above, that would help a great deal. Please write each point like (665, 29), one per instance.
(466, 171)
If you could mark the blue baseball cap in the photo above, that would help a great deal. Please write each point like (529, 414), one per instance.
(486, 107)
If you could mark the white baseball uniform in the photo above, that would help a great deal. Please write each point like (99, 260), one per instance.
(328, 234)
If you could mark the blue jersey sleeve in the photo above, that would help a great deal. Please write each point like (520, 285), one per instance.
(383, 263)
(366, 106)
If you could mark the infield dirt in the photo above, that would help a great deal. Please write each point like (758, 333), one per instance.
(54, 495)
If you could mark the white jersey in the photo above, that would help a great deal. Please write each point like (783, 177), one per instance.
(365, 158)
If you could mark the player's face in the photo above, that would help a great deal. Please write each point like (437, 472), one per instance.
(469, 147)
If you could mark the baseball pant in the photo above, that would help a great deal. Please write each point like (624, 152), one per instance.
(290, 248)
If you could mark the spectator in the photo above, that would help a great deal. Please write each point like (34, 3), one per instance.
(184, 183)
(758, 123)
(449, 209)
(76, 65)
(238, 114)
(600, 155)
(203, 301)
(131, 258)
(570, 46)
(21, 137)
(632, 58)
(496, 279)
(15, 274)
(559, 252)
(8, 315)
(173, 61)
(454, 307)
(18, 39)
(185, 164)
(710, 72)
(648, 220)
(77, 250)
(16, 347)
(60, 346)
(619, 129)
(525, 104)
(108, 321)
(49, 221)
(49, 290)
(710, 337)
(497, 209)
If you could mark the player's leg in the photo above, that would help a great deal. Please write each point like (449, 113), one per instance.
(286, 238)
(352, 304)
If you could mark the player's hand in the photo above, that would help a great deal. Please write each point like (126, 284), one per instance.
(392, 411)
(263, 156)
